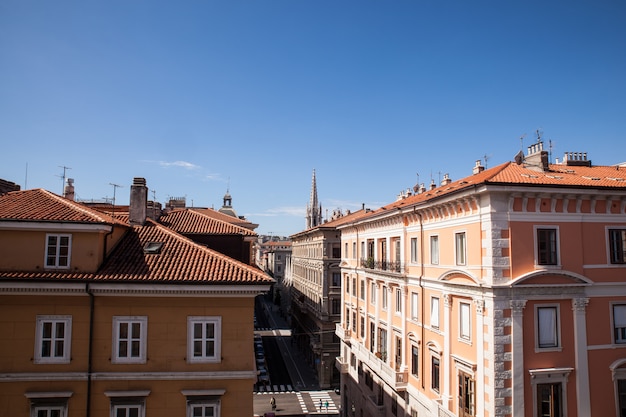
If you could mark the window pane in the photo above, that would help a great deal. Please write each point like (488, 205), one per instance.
(58, 348)
(136, 330)
(210, 330)
(210, 348)
(547, 327)
(123, 330)
(47, 330)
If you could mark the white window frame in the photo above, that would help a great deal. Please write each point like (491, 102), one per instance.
(373, 293)
(556, 330)
(465, 321)
(618, 323)
(550, 376)
(385, 298)
(217, 339)
(609, 247)
(57, 249)
(460, 248)
(557, 249)
(143, 339)
(434, 312)
(414, 306)
(434, 249)
(204, 404)
(398, 293)
(362, 289)
(53, 339)
(126, 400)
(414, 250)
(48, 402)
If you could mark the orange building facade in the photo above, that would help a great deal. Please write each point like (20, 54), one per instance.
(501, 294)
(119, 316)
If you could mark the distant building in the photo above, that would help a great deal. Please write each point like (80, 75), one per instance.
(7, 186)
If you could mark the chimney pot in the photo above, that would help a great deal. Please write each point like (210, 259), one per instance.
(138, 202)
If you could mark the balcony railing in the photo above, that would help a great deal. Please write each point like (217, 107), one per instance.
(341, 364)
(401, 379)
(390, 266)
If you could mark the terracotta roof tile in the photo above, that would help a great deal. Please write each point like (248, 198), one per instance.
(225, 217)
(43, 206)
(187, 221)
(180, 261)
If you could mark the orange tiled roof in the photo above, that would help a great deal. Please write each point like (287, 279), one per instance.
(187, 221)
(43, 206)
(225, 217)
(179, 261)
(357, 215)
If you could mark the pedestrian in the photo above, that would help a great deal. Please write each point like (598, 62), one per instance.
(273, 403)
(326, 404)
(321, 405)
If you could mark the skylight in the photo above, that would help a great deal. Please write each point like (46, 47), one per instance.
(152, 247)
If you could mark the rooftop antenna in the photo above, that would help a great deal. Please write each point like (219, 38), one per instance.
(486, 158)
(63, 177)
(154, 204)
(115, 187)
(539, 133)
(550, 147)
(416, 187)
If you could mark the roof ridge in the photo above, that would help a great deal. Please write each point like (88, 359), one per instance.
(98, 215)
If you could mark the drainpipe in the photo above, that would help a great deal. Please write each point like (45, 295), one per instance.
(90, 348)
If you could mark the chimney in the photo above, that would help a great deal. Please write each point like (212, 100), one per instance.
(576, 159)
(68, 193)
(537, 158)
(433, 185)
(446, 179)
(478, 168)
(138, 202)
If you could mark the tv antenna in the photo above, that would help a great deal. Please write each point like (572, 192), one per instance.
(63, 178)
(115, 187)
(486, 159)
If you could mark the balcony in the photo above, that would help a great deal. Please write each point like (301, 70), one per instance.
(387, 266)
(343, 334)
(401, 380)
(341, 364)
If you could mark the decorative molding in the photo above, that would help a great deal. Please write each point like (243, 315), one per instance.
(579, 304)
(480, 306)
(517, 307)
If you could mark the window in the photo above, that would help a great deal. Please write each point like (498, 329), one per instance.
(398, 358)
(58, 251)
(414, 360)
(434, 374)
(464, 321)
(334, 306)
(466, 395)
(201, 409)
(127, 403)
(336, 249)
(398, 300)
(203, 403)
(373, 293)
(203, 344)
(48, 404)
(353, 250)
(354, 322)
(354, 287)
(372, 336)
(434, 312)
(414, 305)
(336, 279)
(621, 396)
(549, 401)
(347, 318)
(382, 343)
(362, 328)
(546, 247)
(347, 285)
(346, 254)
(619, 323)
(129, 339)
(362, 294)
(547, 327)
(413, 249)
(434, 250)
(53, 339)
(617, 246)
(460, 248)
(384, 295)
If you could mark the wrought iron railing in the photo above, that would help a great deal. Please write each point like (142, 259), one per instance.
(391, 266)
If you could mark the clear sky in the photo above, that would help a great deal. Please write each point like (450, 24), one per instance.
(203, 96)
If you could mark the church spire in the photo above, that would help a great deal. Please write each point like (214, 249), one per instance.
(313, 209)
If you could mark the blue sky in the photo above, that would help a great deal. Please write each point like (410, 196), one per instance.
(203, 96)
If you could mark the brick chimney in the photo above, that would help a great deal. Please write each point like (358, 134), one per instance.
(68, 192)
(138, 202)
(478, 168)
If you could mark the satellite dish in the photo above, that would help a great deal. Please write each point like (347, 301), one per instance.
(519, 158)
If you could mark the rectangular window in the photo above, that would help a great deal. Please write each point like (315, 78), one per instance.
(384, 296)
(434, 312)
(467, 385)
(414, 305)
(354, 287)
(382, 343)
(362, 295)
(414, 249)
(129, 339)
(353, 250)
(547, 247)
(434, 250)
(372, 336)
(398, 358)
(398, 300)
(202, 409)
(414, 360)
(617, 246)
(619, 323)
(335, 305)
(203, 339)
(621, 396)
(547, 327)
(362, 328)
(354, 322)
(49, 411)
(336, 279)
(48, 404)
(53, 339)
(347, 285)
(460, 248)
(549, 402)
(345, 253)
(464, 321)
(128, 410)
(58, 251)
(373, 293)
(434, 374)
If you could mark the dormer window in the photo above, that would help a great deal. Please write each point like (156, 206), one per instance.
(58, 248)
(153, 247)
